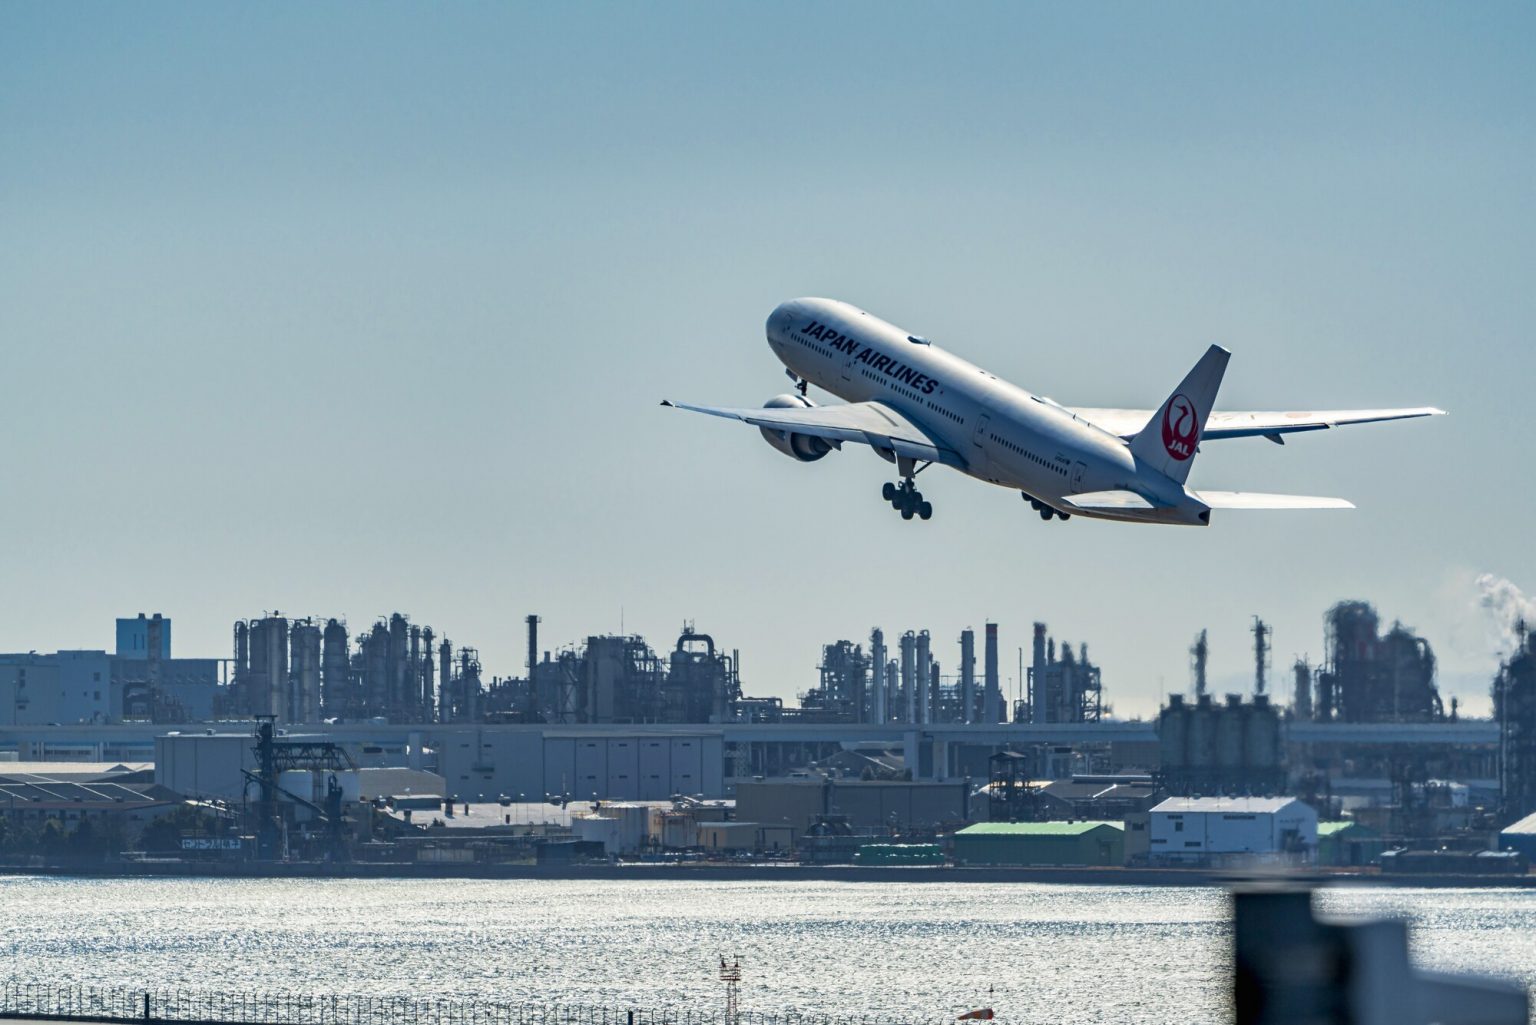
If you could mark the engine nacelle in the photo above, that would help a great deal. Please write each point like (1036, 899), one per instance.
(804, 447)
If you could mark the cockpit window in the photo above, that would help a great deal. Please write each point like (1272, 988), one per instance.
(918, 340)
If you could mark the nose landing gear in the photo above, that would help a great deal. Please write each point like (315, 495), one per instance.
(907, 500)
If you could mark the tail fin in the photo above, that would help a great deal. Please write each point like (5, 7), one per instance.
(1168, 442)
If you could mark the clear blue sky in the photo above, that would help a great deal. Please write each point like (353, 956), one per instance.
(341, 309)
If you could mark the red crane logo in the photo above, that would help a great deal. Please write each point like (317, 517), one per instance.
(1180, 428)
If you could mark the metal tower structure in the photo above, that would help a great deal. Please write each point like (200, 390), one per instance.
(1262, 631)
(1199, 653)
(730, 974)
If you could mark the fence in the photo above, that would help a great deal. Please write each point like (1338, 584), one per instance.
(107, 1004)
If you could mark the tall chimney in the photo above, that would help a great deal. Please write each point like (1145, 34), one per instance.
(992, 712)
(967, 675)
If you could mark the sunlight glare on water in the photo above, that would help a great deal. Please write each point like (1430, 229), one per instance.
(924, 951)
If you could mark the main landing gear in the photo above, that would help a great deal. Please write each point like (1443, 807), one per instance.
(1045, 511)
(907, 500)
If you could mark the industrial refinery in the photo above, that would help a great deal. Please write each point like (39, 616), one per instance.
(314, 740)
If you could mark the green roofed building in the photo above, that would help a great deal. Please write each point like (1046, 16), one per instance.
(1041, 843)
(1347, 843)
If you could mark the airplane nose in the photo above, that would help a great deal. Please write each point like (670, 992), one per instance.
(780, 319)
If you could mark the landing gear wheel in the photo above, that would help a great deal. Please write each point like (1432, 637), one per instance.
(906, 511)
(1046, 512)
(925, 510)
(888, 492)
(1064, 516)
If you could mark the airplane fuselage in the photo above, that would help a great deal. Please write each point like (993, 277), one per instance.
(1004, 434)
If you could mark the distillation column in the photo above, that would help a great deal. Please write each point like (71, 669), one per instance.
(924, 673)
(908, 684)
(877, 676)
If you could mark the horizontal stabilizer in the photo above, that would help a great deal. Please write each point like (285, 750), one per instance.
(1254, 500)
(1109, 501)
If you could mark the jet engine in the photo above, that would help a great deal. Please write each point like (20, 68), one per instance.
(804, 447)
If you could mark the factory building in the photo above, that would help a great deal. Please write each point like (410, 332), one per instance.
(620, 679)
(1514, 706)
(1063, 687)
(866, 806)
(304, 671)
(139, 682)
(1370, 676)
(1208, 830)
(856, 686)
(71, 793)
(1347, 844)
(1075, 844)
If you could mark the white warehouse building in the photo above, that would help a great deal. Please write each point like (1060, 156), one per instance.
(1199, 830)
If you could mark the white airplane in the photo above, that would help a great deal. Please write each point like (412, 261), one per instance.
(917, 405)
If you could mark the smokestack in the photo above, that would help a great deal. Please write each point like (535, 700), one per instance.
(924, 670)
(877, 676)
(533, 662)
(967, 675)
(908, 666)
(1042, 654)
(992, 698)
(444, 675)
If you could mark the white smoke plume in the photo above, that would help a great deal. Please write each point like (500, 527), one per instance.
(1507, 607)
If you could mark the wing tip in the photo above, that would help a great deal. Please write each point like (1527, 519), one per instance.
(668, 403)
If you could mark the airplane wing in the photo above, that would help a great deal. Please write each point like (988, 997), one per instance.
(1125, 423)
(1254, 500)
(868, 423)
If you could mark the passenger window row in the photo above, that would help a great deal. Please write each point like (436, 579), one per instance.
(1047, 463)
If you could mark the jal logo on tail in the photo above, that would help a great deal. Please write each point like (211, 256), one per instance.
(1181, 429)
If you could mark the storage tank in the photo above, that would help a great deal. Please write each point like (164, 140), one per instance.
(1262, 728)
(1202, 734)
(298, 782)
(597, 829)
(1173, 733)
(1229, 733)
